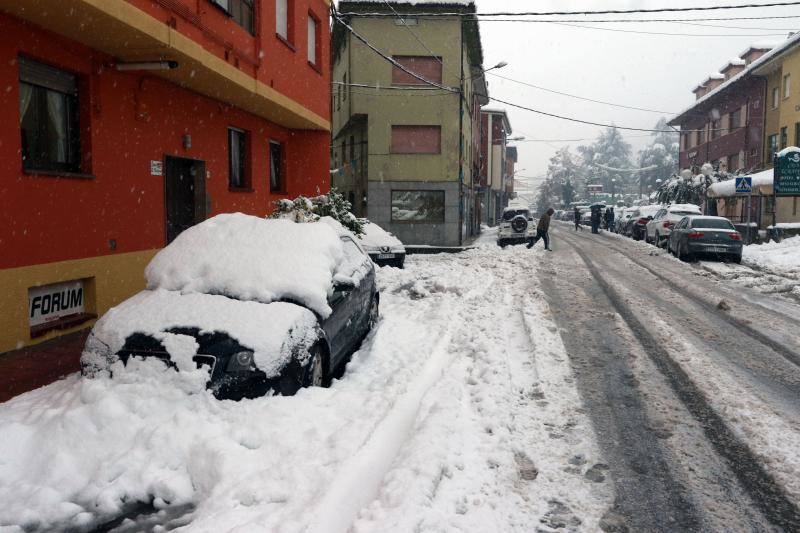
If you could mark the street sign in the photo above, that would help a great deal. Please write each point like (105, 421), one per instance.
(744, 185)
(787, 173)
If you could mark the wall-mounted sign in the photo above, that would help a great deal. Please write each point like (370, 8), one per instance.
(692, 154)
(595, 188)
(787, 172)
(156, 168)
(50, 303)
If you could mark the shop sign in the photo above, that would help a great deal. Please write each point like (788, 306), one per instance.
(692, 154)
(49, 303)
(787, 173)
(156, 168)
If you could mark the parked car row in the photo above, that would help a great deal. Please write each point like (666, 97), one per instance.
(682, 229)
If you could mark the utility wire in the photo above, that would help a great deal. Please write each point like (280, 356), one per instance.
(619, 30)
(568, 13)
(649, 20)
(581, 97)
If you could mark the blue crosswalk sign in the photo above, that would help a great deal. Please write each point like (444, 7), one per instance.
(744, 185)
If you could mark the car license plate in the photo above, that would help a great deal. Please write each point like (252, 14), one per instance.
(717, 249)
(385, 256)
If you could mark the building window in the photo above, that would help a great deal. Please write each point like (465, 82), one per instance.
(733, 162)
(241, 11)
(700, 136)
(787, 85)
(775, 97)
(426, 67)
(283, 19)
(797, 133)
(276, 160)
(313, 39)
(716, 128)
(735, 120)
(48, 109)
(418, 206)
(237, 159)
(686, 141)
(784, 137)
(772, 145)
(416, 139)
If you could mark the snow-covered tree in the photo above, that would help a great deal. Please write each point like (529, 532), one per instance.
(560, 173)
(608, 153)
(662, 153)
(333, 204)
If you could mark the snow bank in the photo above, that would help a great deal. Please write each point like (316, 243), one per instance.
(250, 258)
(775, 256)
(692, 208)
(270, 330)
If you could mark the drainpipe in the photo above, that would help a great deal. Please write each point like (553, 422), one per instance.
(461, 142)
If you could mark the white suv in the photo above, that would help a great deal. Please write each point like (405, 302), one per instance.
(659, 228)
(516, 227)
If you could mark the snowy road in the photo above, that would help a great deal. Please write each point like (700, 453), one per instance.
(692, 383)
(459, 413)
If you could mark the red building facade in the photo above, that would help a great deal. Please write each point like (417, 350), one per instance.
(128, 121)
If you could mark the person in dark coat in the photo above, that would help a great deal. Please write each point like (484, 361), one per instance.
(542, 230)
(596, 218)
(610, 219)
(578, 219)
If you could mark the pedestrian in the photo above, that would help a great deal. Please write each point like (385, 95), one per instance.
(542, 230)
(578, 219)
(610, 219)
(596, 217)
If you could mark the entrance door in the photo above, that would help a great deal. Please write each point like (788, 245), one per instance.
(185, 194)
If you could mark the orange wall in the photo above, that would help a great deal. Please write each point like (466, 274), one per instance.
(127, 119)
(264, 55)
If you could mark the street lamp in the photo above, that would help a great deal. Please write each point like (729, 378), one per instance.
(613, 189)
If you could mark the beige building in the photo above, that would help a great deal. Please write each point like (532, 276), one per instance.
(403, 151)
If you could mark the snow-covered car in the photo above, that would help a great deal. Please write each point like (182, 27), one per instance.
(623, 219)
(244, 306)
(659, 228)
(586, 217)
(383, 248)
(695, 235)
(637, 224)
(516, 226)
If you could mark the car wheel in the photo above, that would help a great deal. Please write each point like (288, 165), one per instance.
(374, 313)
(295, 376)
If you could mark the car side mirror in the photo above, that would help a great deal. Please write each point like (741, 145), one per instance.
(343, 286)
(649, 218)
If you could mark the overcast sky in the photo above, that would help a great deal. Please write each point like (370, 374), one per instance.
(647, 71)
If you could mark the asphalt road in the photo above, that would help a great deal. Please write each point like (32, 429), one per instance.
(640, 328)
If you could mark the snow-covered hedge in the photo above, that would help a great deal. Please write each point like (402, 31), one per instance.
(305, 209)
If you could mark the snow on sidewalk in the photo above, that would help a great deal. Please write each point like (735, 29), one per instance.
(458, 413)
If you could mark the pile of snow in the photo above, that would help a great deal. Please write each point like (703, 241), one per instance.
(376, 237)
(775, 256)
(270, 330)
(250, 258)
(725, 189)
(689, 208)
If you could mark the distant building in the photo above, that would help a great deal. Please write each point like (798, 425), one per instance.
(128, 121)
(494, 177)
(401, 150)
(724, 126)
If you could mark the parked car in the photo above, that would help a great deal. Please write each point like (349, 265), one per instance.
(637, 225)
(516, 226)
(382, 247)
(260, 305)
(695, 235)
(659, 228)
(623, 219)
(586, 217)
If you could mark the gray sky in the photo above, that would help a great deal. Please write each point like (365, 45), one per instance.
(647, 71)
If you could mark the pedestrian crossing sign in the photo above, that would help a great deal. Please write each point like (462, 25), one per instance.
(744, 185)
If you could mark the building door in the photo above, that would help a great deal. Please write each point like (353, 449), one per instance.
(185, 194)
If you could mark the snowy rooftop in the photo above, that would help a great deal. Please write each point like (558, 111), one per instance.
(250, 258)
(793, 40)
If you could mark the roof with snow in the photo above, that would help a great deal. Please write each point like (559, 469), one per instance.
(779, 49)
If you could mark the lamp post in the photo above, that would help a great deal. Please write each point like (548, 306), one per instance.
(613, 189)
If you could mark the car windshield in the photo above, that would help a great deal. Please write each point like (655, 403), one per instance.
(711, 223)
(510, 214)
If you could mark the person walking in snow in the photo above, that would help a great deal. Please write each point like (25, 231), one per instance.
(542, 230)
(578, 219)
(596, 217)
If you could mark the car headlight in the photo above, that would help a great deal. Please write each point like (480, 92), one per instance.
(240, 362)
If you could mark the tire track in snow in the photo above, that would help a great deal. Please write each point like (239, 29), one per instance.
(764, 491)
(361, 476)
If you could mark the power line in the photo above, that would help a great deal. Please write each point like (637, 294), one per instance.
(582, 97)
(369, 45)
(387, 87)
(649, 20)
(619, 30)
(568, 13)
(732, 27)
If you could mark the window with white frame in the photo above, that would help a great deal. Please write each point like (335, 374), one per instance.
(787, 85)
(313, 28)
(282, 18)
